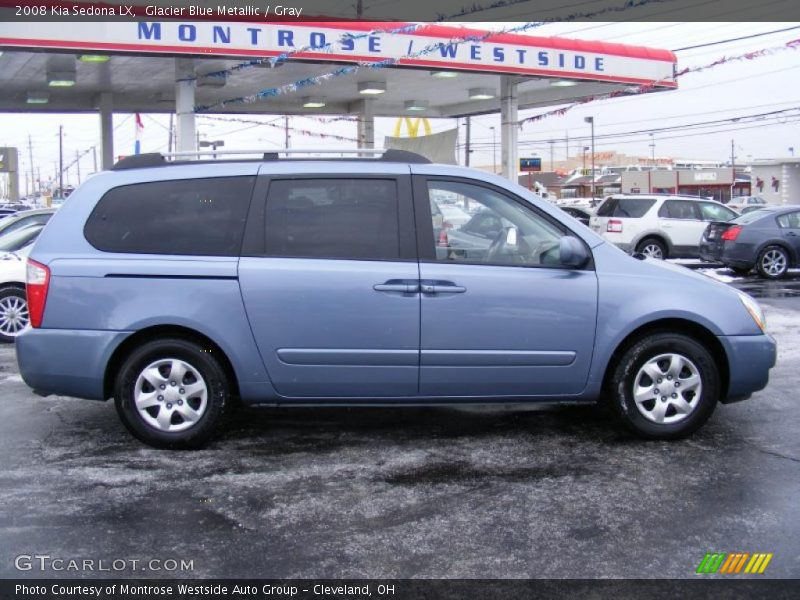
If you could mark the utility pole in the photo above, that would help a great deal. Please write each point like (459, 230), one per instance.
(169, 135)
(566, 137)
(733, 155)
(60, 161)
(94, 157)
(552, 146)
(359, 9)
(467, 148)
(30, 156)
(286, 132)
(78, 165)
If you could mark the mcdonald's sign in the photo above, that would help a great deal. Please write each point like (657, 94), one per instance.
(412, 126)
(734, 563)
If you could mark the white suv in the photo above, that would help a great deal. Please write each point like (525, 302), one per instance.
(657, 226)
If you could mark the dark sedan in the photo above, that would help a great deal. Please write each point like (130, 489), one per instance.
(767, 239)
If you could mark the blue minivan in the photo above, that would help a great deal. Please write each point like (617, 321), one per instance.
(182, 288)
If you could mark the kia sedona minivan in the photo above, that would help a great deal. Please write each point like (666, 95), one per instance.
(182, 288)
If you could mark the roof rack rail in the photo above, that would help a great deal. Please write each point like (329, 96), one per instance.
(156, 159)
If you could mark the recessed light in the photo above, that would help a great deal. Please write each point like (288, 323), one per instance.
(481, 94)
(444, 74)
(313, 102)
(94, 58)
(61, 78)
(416, 105)
(37, 98)
(563, 83)
(371, 88)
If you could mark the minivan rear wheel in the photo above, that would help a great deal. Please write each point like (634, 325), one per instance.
(665, 386)
(652, 248)
(172, 393)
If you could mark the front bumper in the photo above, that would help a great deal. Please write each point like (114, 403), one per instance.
(750, 357)
(67, 362)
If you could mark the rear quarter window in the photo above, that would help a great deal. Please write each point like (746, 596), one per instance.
(204, 217)
(632, 208)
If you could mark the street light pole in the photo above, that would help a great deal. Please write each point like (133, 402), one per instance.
(590, 120)
(653, 149)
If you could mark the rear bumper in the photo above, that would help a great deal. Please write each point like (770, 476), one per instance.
(750, 357)
(66, 362)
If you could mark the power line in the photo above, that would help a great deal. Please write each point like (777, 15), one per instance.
(736, 39)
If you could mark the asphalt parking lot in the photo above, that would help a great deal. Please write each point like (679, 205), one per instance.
(501, 492)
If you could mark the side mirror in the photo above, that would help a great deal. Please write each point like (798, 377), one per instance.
(572, 252)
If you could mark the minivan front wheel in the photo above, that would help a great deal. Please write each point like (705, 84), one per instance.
(665, 386)
(172, 393)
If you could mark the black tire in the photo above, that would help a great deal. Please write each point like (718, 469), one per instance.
(652, 243)
(16, 295)
(772, 254)
(217, 397)
(626, 372)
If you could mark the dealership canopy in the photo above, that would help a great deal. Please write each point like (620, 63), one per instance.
(161, 64)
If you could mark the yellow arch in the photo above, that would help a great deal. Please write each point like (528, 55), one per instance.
(412, 126)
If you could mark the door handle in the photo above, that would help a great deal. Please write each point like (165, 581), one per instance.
(441, 287)
(397, 285)
(792, 233)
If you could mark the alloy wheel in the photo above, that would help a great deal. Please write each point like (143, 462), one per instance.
(773, 263)
(14, 318)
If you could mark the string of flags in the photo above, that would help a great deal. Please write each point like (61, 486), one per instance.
(407, 28)
(791, 45)
(298, 130)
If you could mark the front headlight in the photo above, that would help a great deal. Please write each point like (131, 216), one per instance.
(755, 311)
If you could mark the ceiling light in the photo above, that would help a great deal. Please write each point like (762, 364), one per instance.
(37, 98)
(563, 83)
(416, 105)
(313, 102)
(371, 88)
(481, 94)
(444, 74)
(94, 58)
(61, 78)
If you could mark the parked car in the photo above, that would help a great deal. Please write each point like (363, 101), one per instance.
(581, 214)
(657, 226)
(6, 212)
(14, 317)
(767, 240)
(750, 202)
(26, 218)
(11, 241)
(178, 289)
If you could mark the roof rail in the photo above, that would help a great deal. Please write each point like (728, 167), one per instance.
(155, 159)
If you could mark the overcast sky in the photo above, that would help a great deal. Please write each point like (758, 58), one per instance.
(728, 91)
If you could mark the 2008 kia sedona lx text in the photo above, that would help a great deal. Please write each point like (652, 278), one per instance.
(180, 288)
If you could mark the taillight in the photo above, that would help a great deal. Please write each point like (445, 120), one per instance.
(730, 235)
(614, 226)
(38, 280)
(443, 241)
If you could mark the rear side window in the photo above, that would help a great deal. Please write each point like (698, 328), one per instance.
(679, 209)
(632, 208)
(203, 217)
(333, 218)
(789, 220)
(715, 212)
